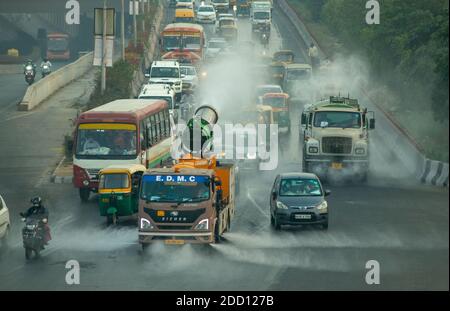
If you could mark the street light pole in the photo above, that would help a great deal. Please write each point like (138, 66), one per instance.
(134, 23)
(103, 82)
(122, 29)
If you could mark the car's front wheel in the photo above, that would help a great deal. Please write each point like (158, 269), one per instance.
(275, 224)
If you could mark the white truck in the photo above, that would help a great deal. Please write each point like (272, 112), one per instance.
(260, 15)
(166, 72)
(336, 137)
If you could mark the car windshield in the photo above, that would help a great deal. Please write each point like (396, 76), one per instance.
(298, 74)
(165, 72)
(175, 188)
(277, 70)
(102, 139)
(188, 71)
(226, 22)
(300, 187)
(276, 102)
(337, 119)
(206, 9)
(114, 181)
(261, 15)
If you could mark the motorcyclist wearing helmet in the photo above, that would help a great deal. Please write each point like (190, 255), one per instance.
(38, 208)
(45, 61)
(29, 62)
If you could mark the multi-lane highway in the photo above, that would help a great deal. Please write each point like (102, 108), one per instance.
(391, 219)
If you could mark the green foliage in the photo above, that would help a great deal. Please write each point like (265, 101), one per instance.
(118, 84)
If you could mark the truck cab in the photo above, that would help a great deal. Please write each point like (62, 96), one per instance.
(260, 15)
(336, 137)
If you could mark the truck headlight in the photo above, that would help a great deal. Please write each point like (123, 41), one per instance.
(313, 149)
(145, 224)
(202, 225)
(281, 205)
(322, 207)
(360, 151)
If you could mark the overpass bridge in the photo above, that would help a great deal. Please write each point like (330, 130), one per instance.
(52, 6)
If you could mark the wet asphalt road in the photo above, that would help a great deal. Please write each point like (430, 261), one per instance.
(402, 225)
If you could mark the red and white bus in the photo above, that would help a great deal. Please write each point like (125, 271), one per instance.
(121, 132)
(58, 46)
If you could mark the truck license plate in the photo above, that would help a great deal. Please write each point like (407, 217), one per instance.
(174, 242)
(336, 165)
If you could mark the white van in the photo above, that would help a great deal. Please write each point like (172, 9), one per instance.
(4, 223)
(167, 72)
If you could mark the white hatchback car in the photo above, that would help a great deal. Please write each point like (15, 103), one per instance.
(4, 222)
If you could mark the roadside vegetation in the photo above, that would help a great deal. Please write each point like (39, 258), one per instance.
(407, 54)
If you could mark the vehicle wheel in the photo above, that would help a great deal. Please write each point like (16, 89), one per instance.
(228, 223)
(144, 246)
(28, 253)
(275, 224)
(217, 236)
(37, 253)
(111, 219)
(85, 193)
(325, 226)
(364, 177)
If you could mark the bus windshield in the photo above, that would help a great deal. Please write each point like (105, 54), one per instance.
(175, 188)
(57, 44)
(106, 139)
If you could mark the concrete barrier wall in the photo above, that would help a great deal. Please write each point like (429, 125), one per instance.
(39, 91)
(406, 149)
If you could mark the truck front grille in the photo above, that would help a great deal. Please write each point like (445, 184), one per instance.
(337, 145)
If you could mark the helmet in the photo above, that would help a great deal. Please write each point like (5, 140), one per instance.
(45, 59)
(36, 201)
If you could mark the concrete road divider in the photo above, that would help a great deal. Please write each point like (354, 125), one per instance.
(435, 173)
(39, 91)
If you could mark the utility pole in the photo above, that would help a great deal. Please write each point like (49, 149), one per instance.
(122, 29)
(103, 83)
(143, 15)
(134, 23)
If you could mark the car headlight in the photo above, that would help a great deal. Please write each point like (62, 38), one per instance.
(360, 151)
(202, 225)
(281, 205)
(313, 149)
(31, 227)
(204, 74)
(86, 182)
(322, 207)
(145, 224)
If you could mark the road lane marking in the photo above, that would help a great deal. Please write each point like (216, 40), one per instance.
(252, 200)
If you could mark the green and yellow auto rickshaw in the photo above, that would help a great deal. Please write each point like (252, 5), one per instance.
(280, 109)
(119, 191)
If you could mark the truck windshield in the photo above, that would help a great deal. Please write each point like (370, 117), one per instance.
(165, 72)
(105, 139)
(283, 58)
(175, 188)
(300, 187)
(337, 119)
(261, 15)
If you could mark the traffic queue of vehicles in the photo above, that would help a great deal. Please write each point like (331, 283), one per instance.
(122, 150)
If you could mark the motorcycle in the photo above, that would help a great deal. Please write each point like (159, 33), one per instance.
(33, 235)
(265, 36)
(45, 71)
(29, 74)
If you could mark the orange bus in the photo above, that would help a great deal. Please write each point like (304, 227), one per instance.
(58, 46)
(183, 41)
